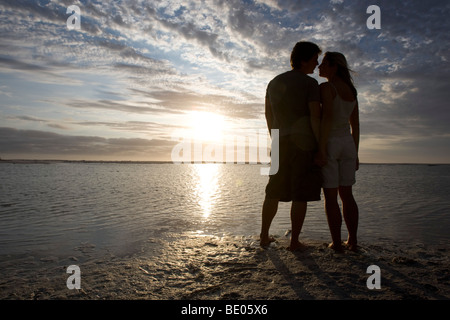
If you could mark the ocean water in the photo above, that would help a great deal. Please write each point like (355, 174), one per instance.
(58, 208)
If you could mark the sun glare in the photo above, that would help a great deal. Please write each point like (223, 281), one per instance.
(207, 188)
(207, 127)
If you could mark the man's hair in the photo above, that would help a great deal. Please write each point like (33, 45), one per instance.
(303, 51)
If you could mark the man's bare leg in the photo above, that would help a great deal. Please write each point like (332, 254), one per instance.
(298, 213)
(269, 210)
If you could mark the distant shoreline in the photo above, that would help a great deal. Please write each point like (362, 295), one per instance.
(29, 161)
(51, 161)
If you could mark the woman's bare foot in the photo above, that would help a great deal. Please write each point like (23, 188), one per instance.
(266, 241)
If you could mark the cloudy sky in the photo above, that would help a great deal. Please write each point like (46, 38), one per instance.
(139, 73)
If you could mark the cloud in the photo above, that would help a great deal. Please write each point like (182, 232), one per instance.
(49, 123)
(141, 126)
(41, 144)
(117, 106)
(163, 59)
(184, 100)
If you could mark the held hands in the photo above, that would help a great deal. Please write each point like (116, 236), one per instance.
(320, 159)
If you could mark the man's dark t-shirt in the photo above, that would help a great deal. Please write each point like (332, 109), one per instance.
(289, 94)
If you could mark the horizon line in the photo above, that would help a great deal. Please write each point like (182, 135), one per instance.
(48, 161)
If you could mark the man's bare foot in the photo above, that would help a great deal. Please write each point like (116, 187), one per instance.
(351, 246)
(296, 246)
(266, 241)
(337, 248)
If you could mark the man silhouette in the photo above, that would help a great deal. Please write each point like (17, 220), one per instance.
(293, 107)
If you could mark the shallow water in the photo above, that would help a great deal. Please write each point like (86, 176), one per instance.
(62, 208)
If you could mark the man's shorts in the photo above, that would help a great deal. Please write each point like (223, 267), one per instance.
(341, 162)
(298, 178)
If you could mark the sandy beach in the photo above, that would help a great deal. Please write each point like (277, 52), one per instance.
(195, 267)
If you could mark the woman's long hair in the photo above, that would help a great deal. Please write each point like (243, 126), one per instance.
(343, 71)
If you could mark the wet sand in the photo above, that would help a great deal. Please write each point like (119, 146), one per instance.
(193, 267)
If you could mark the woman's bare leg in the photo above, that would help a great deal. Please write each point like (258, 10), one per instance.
(351, 215)
(334, 217)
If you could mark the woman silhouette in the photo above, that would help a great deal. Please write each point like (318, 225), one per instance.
(339, 145)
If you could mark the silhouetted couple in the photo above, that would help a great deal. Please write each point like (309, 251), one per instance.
(318, 143)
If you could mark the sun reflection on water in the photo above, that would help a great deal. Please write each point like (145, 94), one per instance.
(207, 188)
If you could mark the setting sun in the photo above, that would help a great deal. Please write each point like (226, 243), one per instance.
(207, 127)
